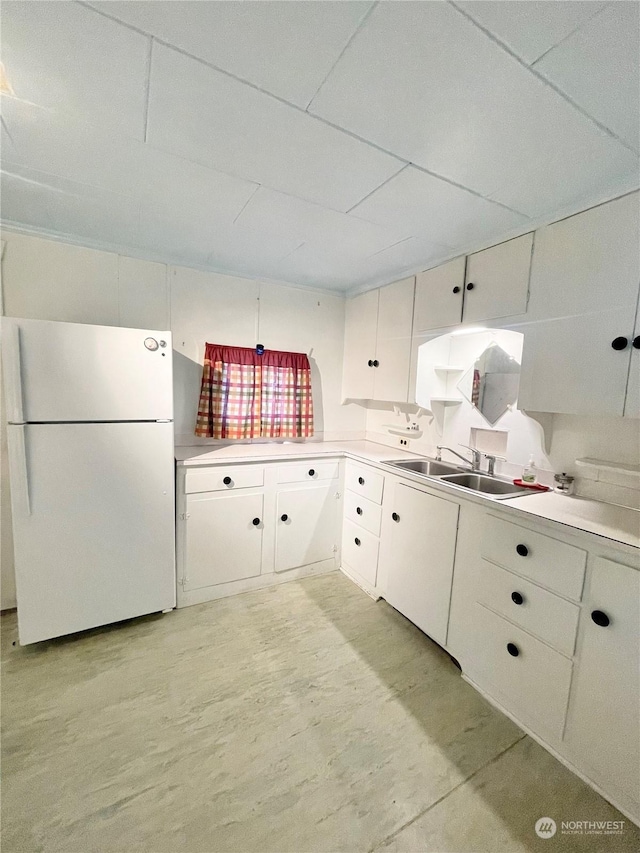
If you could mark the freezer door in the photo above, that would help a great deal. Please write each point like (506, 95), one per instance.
(93, 521)
(72, 372)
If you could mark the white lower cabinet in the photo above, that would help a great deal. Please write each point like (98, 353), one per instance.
(563, 661)
(247, 526)
(603, 723)
(223, 538)
(421, 549)
(306, 526)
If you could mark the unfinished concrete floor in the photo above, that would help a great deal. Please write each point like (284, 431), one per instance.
(300, 718)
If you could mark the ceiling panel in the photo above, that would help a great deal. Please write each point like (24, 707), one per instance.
(531, 27)
(205, 116)
(275, 213)
(437, 211)
(62, 55)
(63, 207)
(60, 145)
(286, 48)
(464, 109)
(598, 66)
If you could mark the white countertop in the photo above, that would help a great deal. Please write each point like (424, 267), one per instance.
(617, 523)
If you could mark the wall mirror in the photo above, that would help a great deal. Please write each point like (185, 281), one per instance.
(491, 383)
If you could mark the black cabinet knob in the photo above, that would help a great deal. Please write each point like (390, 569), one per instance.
(619, 343)
(636, 342)
(376, 363)
(359, 510)
(517, 598)
(255, 522)
(227, 481)
(456, 289)
(470, 286)
(312, 472)
(361, 480)
(600, 618)
(370, 362)
(513, 650)
(522, 550)
(395, 516)
(357, 541)
(284, 517)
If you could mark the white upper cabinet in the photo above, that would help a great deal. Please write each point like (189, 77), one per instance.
(439, 295)
(632, 402)
(497, 281)
(490, 284)
(360, 346)
(584, 294)
(377, 349)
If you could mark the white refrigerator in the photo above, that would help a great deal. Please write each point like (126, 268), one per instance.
(90, 443)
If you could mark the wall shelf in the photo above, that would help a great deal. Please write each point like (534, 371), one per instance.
(447, 401)
(448, 368)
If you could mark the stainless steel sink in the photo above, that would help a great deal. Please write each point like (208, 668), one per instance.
(500, 489)
(426, 467)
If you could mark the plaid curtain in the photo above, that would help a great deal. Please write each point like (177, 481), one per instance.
(246, 395)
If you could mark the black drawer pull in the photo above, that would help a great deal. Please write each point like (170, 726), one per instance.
(470, 286)
(395, 516)
(513, 650)
(284, 517)
(636, 342)
(359, 510)
(361, 480)
(357, 541)
(370, 362)
(456, 289)
(619, 343)
(255, 522)
(227, 481)
(517, 598)
(312, 472)
(600, 618)
(522, 550)
(376, 363)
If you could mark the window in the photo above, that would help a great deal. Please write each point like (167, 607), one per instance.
(248, 395)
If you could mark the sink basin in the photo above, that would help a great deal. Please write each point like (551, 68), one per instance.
(486, 485)
(427, 467)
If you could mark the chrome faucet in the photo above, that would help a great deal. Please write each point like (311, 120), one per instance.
(475, 455)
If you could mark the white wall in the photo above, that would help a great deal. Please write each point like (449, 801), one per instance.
(50, 280)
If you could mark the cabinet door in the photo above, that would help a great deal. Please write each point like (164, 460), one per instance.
(393, 347)
(306, 526)
(360, 346)
(422, 550)
(222, 543)
(497, 281)
(603, 727)
(439, 294)
(584, 291)
(632, 403)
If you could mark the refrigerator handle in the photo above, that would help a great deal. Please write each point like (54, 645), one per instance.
(18, 467)
(13, 373)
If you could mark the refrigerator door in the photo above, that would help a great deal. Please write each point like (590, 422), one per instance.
(93, 521)
(57, 372)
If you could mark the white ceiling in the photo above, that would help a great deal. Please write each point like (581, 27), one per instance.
(337, 145)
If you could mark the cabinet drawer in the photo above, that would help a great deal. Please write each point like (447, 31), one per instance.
(556, 565)
(223, 479)
(533, 684)
(542, 613)
(364, 482)
(360, 551)
(310, 471)
(363, 512)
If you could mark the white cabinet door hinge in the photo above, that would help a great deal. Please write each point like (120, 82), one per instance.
(185, 515)
(334, 548)
(337, 496)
